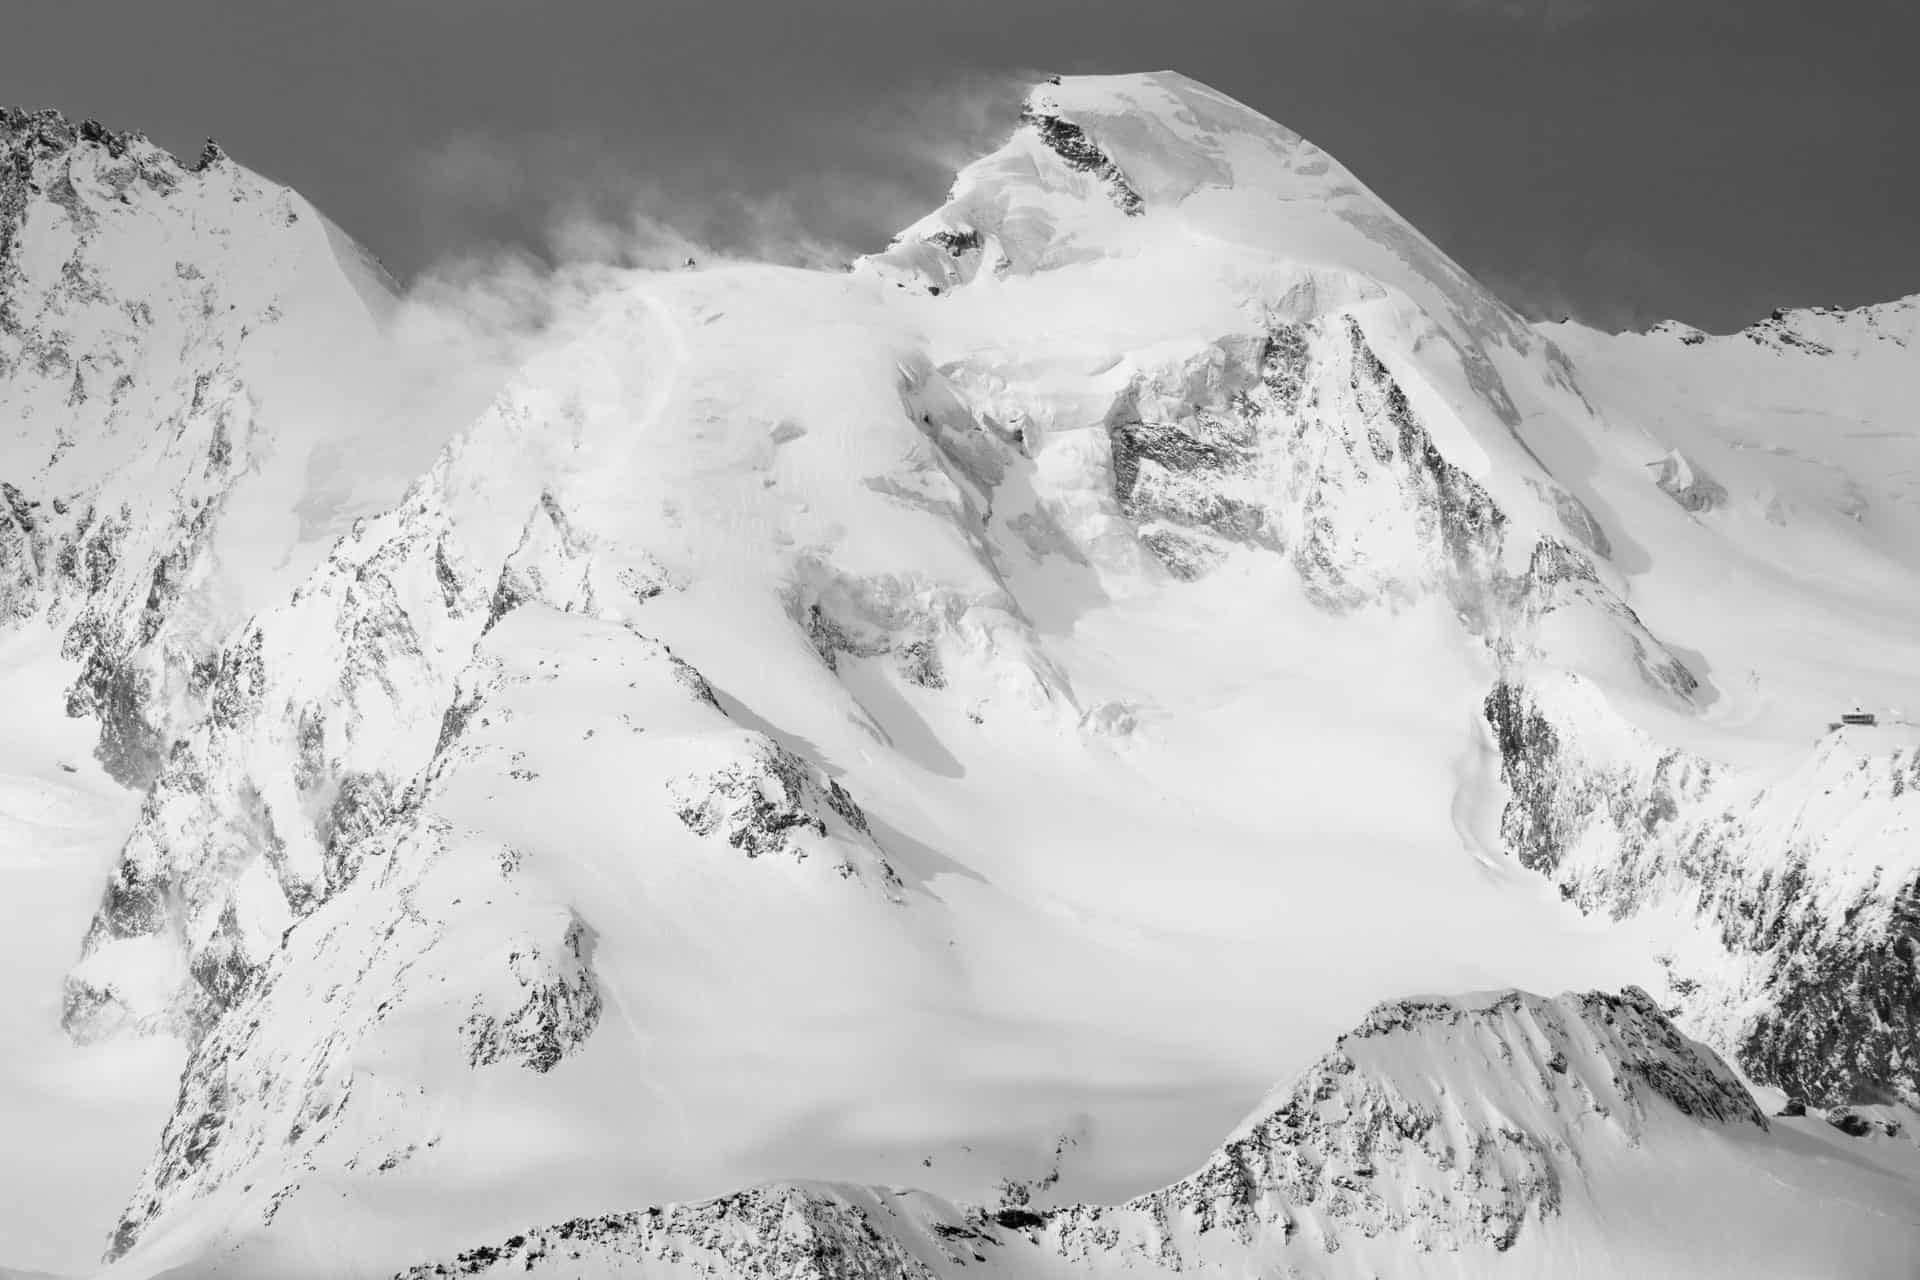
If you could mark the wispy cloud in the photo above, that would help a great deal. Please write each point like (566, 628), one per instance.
(534, 226)
(838, 186)
(571, 199)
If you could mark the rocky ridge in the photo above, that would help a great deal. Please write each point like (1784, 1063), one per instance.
(140, 308)
(1447, 1125)
(1302, 444)
(1806, 880)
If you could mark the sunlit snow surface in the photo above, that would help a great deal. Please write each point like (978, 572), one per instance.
(1142, 849)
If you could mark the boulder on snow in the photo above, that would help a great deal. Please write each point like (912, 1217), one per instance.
(1850, 1122)
(1686, 484)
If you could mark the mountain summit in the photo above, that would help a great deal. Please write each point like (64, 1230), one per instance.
(969, 723)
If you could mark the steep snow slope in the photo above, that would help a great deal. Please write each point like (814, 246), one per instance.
(1486, 1135)
(170, 340)
(971, 719)
(1786, 482)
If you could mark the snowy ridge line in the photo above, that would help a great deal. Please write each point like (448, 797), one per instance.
(32, 138)
(1445, 1124)
(431, 904)
(1070, 142)
(1811, 329)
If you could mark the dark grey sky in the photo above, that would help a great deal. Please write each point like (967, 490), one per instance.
(1622, 160)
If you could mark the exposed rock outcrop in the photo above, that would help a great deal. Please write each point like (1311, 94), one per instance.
(1070, 142)
(1312, 452)
(1687, 485)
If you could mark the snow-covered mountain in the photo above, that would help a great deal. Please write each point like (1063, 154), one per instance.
(970, 723)
(171, 338)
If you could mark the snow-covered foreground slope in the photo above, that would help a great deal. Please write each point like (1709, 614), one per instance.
(1500, 1134)
(970, 723)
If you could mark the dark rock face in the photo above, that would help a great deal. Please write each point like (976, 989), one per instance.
(1174, 477)
(957, 243)
(768, 1233)
(920, 663)
(122, 608)
(1778, 330)
(1844, 1023)
(769, 802)
(363, 803)
(1071, 143)
(828, 638)
(1312, 452)
(1529, 751)
(1841, 1017)
(118, 694)
(1685, 1074)
(1015, 1218)
(1851, 1123)
(1469, 524)
(561, 1010)
(22, 554)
